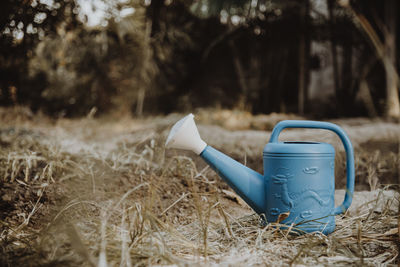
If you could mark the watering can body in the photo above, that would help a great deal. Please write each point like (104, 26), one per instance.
(298, 179)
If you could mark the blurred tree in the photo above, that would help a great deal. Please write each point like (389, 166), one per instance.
(177, 38)
(378, 20)
(392, 77)
(135, 62)
(106, 67)
(23, 24)
(269, 22)
(343, 40)
(76, 68)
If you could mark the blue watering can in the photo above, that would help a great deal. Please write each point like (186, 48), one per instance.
(298, 180)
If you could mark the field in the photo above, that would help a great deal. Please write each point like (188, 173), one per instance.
(104, 191)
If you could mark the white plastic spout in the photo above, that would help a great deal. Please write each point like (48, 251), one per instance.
(184, 135)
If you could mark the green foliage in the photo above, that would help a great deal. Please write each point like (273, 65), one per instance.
(102, 67)
(22, 25)
(76, 70)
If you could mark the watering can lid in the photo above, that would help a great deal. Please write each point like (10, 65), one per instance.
(299, 148)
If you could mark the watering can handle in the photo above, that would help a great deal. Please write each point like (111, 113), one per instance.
(347, 146)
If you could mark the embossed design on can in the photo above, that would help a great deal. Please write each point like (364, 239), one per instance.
(311, 170)
(306, 214)
(274, 211)
(281, 178)
(292, 199)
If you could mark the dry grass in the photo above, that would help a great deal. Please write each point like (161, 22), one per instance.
(106, 193)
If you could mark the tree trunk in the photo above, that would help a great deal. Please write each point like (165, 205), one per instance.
(367, 99)
(346, 93)
(240, 75)
(392, 93)
(336, 80)
(303, 56)
(280, 99)
(145, 79)
(153, 13)
(302, 52)
(140, 101)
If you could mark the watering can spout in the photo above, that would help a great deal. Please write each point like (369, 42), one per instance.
(184, 135)
(247, 183)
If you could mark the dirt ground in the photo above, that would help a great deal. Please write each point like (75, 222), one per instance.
(106, 192)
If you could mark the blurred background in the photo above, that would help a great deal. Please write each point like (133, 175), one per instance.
(319, 58)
